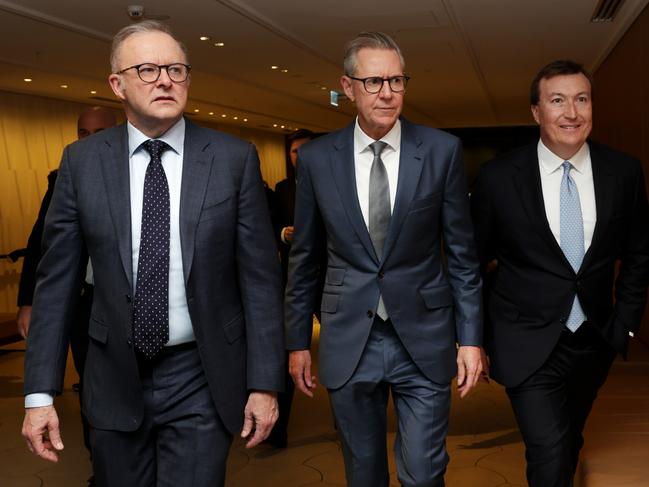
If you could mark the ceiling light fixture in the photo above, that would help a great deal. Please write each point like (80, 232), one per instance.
(274, 67)
(64, 86)
(204, 38)
(219, 44)
(245, 119)
(93, 92)
(284, 70)
(223, 115)
(27, 80)
(196, 110)
(211, 113)
(236, 118)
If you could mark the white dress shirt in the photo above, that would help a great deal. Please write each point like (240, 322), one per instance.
(582, 175)
(180, 326)
(363, 158)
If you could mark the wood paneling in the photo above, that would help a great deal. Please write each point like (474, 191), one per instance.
(621, 103)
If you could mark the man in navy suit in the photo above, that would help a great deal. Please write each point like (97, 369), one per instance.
(185, 344)
(385, 196)
(557, 217)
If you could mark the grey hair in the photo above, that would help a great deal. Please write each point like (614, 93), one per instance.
(139, 28)
(369, 40)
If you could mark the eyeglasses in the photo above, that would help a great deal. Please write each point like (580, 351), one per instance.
(374, 84)
(150, 73)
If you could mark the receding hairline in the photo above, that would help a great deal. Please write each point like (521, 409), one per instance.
(144, 27)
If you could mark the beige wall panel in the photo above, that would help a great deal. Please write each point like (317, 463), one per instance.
(33, 133)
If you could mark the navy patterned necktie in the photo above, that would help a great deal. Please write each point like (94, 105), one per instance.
(151, 306)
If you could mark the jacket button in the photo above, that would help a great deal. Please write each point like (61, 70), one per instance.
(128, 298)
(129, 342)
(381, 275)
(563, 321)
(370, 313)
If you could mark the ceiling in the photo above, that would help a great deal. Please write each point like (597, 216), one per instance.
(471, 61)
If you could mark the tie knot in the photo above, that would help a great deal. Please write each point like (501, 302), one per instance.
(567, 166)
(377, 147)
(155, 148)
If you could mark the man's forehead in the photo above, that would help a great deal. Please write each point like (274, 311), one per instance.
(147, 43)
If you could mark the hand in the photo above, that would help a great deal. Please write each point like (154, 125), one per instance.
(299, 366)
(259, 417)
(288, 234)
(41, 430)
(22, 319)
(469, 368)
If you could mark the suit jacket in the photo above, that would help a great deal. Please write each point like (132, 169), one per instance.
(533, 287)
(432, 302)
(33, 255)
(283, 210)
(232, 276)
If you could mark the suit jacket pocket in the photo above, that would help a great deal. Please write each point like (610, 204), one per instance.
(329, 303)
(335, 276)
(234, 328)
(212, 209)
(425, 202)
(437, 297)
(98, 331)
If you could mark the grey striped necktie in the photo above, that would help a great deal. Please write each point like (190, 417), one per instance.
(379, 209)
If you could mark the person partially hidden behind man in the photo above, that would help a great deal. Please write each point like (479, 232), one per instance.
(91, 121)
(382, 197)
(557, 216)
(185, 344)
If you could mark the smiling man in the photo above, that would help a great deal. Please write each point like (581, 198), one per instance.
(557, 216)
(186, 325)
(384, 196)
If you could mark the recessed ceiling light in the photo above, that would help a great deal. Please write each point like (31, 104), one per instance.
(93, 92)
(219, 44)
(223, 115)
(64, 86)
(323, 87)
(281, 126)
(196, 110)
(284, 70)
(274, 125)
(236, 118)
(274, 67)
(204, 38)
(27, 80)
(245, 119)
(211, 113)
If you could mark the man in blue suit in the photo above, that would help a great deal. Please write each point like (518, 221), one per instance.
(384, 195)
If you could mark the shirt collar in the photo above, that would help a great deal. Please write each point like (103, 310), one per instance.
(550, 162)
(175, 137)
(362, 140)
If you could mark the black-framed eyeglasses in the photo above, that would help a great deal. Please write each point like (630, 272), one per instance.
(374, 84)
(150, 73)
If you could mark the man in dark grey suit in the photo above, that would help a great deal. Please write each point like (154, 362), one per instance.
(383, 195)
(185, 331)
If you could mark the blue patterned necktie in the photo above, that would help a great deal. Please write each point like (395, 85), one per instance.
(572, 237)
(379, 209)
(151, 306)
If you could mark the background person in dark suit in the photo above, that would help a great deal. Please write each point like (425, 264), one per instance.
(91, 121)
(186, 328)
(557, 216)
(283, 209)
(383, 195)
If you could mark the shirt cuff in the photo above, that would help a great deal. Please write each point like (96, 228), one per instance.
(38, 400)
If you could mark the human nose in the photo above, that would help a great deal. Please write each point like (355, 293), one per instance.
(570, 110)
(385, 91)
(164, 79)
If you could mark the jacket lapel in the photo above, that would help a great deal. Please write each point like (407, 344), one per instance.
(603, 181)
(410, 165)
(113, 155)
(196, 171)
(344, 175)
(527, 181)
